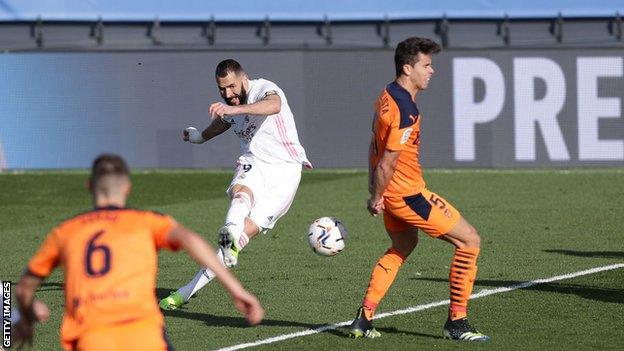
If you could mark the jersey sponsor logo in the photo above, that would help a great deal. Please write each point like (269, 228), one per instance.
(247, 133)
(406, 135)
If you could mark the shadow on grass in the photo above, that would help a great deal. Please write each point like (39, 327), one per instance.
(237, 322)
(595, 254)
(588, 292)
(393, 330)
(50, 286)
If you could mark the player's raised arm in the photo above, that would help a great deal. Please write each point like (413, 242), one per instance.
(205, 255)
(192, 135)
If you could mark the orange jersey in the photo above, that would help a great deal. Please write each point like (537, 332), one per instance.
(110, 258)
(396, 127)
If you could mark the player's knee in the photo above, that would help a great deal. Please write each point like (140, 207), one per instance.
(405, 248)
(244, 197)
(403, 251)
(464, 237)
(472, 237)
(251, 228)
(242, 192)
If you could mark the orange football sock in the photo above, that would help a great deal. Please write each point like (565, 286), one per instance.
(461, 279)
(381, 279)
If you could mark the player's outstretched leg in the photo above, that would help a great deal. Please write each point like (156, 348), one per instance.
(180, 297)
(361, 327)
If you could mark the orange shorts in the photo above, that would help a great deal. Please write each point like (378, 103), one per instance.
(136, 335)
(426, 210)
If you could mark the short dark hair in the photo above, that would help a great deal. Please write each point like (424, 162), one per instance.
(407, 51)
(107, 165)
(226, 66)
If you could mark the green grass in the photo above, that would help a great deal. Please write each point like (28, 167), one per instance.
(533, 224)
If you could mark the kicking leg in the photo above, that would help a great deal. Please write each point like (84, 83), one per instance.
(233, 237)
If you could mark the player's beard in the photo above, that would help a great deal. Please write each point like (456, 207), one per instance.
(242, 98)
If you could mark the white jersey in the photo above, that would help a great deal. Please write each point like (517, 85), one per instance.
(272, 139)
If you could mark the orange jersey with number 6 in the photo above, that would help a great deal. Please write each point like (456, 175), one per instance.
(109, 257)
(396, 127)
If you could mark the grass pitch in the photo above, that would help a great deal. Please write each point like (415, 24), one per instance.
(533, 224)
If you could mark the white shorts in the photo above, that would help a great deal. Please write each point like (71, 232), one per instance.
(273, 185)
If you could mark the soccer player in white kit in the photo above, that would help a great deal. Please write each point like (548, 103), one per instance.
(267, 173)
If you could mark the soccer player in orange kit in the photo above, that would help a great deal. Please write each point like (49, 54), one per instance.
(398, 191)
(109, 256)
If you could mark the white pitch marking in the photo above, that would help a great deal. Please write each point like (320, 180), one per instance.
(417, 308)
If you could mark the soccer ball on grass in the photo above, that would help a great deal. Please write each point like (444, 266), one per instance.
(327, 236)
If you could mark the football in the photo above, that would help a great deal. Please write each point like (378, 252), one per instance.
(327, 236)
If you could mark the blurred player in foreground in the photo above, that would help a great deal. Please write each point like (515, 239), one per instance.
(398, 191)
(268, 171)
(109, 256)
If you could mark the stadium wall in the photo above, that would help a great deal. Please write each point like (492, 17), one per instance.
(484, 108)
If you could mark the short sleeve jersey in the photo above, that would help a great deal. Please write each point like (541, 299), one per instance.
(109, 258)
(273, 138)
(396, 127)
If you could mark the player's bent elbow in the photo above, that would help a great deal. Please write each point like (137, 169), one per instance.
(387, 167)
(275, 104)
(277, 108)
(179, 236)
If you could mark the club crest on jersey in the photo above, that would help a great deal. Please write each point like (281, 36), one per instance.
(406, 135)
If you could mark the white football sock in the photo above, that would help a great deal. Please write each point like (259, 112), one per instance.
(240, 207)
(243, 240)
(203, 277)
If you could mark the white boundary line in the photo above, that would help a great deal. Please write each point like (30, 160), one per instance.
(482, 293)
